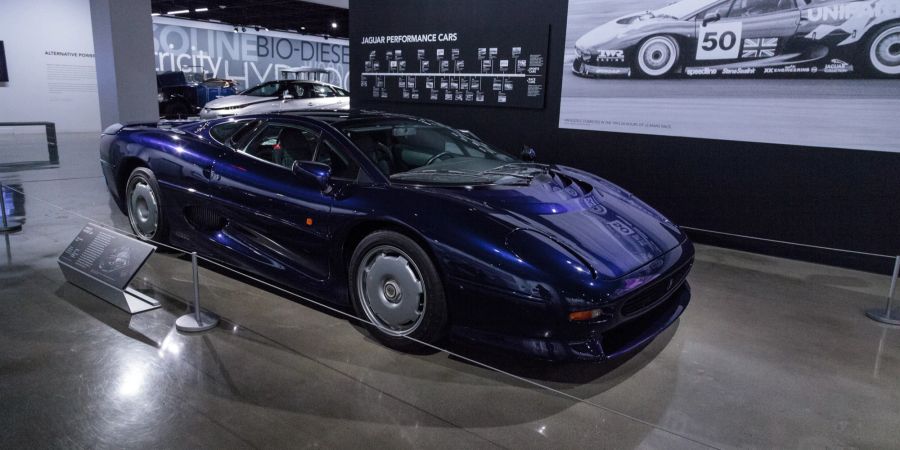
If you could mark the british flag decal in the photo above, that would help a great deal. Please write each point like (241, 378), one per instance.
(759, 48)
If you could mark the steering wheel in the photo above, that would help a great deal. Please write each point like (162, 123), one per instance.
(437, 157)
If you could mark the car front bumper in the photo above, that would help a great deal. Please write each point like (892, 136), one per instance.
(542, 328)
(588, 67)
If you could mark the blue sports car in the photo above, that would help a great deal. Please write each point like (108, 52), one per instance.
(425, 231)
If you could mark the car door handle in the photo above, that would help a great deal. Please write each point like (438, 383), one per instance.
(310, 104)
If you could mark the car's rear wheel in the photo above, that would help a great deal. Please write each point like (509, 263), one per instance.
(884, 51)
(396, 289)
(657, 56)
(145, 205)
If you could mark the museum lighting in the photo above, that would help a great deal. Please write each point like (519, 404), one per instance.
(154, 14)
(333, 24)
(180, 11)
(201, 10)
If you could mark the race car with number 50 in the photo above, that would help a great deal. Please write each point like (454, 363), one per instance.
(746, 38)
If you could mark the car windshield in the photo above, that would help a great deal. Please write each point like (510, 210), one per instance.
(425, 152)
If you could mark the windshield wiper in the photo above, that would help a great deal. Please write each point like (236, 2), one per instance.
(506, 174)
(430, 172)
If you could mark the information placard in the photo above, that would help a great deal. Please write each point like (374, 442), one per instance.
(110, 257)
(467, 66)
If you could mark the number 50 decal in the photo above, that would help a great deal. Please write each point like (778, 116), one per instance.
(719, 40)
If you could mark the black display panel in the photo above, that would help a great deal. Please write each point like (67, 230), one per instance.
(106, 255)
(461, 64)
(4, 74)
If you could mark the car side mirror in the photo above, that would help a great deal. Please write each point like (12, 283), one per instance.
(286, 95)
(313, 172)
(711, 17)
(528, 154)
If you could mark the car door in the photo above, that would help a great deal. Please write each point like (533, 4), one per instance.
(747, 31)
(278, 222)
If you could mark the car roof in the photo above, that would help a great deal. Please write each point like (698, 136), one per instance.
(338, 117)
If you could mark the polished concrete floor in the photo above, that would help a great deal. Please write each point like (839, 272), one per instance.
(770, 353)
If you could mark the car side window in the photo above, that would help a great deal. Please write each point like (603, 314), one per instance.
(223, 132)
(747, 8)
(341, 165)
(721, 9)
(322, 91)
(269, 89)
(283, 144)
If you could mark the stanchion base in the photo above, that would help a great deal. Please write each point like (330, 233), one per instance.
(11, 227)
(878, 315)
(188, 322)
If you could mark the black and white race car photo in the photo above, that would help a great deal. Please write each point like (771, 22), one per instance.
(746, 38)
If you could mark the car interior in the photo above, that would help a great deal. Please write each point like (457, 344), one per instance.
(283, 145)
(397, 149)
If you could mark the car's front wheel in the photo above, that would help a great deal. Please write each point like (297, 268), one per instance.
(145, 205)
(657, 56)
(396, 289)
(884, 51)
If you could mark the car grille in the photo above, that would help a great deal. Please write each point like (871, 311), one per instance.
(656, 292)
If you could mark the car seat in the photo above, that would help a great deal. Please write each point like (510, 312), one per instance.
(292, 146)
(369, 146)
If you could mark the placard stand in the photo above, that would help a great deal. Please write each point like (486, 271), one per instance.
(7, 225)
(103, 263)
(199, 320)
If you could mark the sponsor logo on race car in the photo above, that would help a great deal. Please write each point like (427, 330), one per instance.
(610, 55)
(739, 71)
(707, 71)
(693, 71)
(847, 11)
(838, 66)
(790, 69)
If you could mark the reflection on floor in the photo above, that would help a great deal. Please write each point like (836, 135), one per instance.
(771, 353)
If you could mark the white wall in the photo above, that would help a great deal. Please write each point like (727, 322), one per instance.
(50, 56)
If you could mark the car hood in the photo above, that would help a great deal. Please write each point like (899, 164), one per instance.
(605, 226)
(237, 100)
(616, 29)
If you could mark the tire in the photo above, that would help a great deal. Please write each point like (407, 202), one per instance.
(883, 51)
(657, 57)
(144, 206)
(396, 289)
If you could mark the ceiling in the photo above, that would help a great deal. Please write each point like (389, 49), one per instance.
(308, 17)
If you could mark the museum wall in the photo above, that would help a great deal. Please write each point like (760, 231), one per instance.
(50, 57)
(248, 57)
(815, 195)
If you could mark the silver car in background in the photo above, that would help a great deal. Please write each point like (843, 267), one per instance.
(274, 96)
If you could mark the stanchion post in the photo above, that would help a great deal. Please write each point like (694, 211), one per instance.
(6, 226)
(888, 315)
(199, 320)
